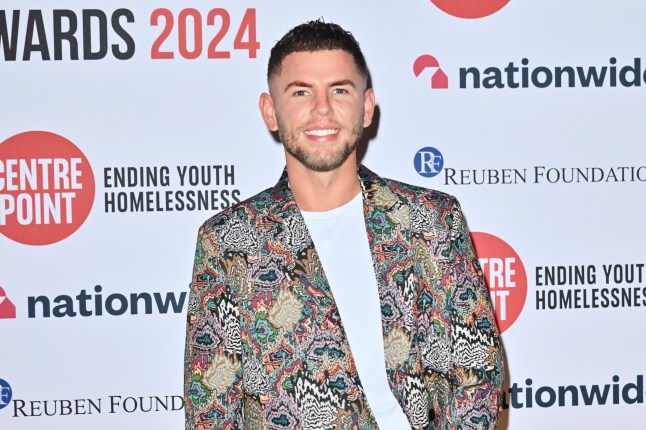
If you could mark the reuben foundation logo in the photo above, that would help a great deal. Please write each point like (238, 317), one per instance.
(470, 8)
(7, 308)
(439, 80)
(505, 275)
(5, 393)
(46, 188)
(428, 161)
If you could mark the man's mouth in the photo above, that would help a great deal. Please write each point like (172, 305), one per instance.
(322, 133)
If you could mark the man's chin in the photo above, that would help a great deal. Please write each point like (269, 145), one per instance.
(323, 166)
(320, 164)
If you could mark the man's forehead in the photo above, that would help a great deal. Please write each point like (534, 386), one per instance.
(330, 65)
(303, 60)
(319, 52)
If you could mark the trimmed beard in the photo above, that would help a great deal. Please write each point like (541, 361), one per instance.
(290, 140)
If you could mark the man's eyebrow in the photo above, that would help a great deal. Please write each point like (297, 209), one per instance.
(338, 83)
(342, 83)
(297, 84)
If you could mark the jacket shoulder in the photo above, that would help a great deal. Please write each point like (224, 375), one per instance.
(246, 211)
(415, 194)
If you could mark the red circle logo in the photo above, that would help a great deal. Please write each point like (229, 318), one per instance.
(470, 8)
(505, 275)
(46, 188)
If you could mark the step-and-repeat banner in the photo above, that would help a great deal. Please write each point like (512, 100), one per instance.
(124, 125)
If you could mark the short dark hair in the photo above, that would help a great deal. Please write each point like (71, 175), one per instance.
(315, 36)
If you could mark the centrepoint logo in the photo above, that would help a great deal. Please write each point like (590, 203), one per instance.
(5, 393)
(505, 275)
(439, 80)
(428, 162)
(470, 8)
(46, 188)
(7, 308)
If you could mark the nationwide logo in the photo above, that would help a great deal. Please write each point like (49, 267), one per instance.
(7, 308)
(439, 80)
(520, 396)
(522, 75)
(470, 8)
(46, 188)
(86, 304)
(97, 303)
(428, 162)
(5, 393)
(505, 275)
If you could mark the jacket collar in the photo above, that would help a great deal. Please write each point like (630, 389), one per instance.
(285, 205)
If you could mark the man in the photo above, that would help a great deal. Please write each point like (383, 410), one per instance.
(272, 317)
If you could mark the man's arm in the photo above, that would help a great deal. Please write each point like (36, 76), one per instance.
(476, 355)
(213, 359)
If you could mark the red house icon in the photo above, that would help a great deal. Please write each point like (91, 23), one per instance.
(439, 80)
(7, 309)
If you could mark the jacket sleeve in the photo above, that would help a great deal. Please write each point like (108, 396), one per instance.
(476, 373)
(213, 362)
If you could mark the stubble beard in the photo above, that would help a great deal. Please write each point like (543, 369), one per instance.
(325, 162)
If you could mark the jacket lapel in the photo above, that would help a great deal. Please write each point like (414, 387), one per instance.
(387, 218)
(328, 367)
(288, 229)
(325, 345)
(387, 214)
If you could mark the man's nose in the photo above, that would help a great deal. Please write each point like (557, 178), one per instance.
(322, 104)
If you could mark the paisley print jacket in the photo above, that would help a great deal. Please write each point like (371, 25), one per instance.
(265, 345)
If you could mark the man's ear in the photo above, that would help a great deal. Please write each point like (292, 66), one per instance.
(368, 107)
(266, 105)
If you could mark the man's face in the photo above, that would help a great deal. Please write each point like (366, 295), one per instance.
(319, 105)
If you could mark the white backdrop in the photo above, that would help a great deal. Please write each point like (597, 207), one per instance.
(105, 371)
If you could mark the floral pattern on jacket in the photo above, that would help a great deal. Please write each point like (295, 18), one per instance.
(265, 345)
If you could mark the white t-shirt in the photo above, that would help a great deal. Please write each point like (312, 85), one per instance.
(341, 242)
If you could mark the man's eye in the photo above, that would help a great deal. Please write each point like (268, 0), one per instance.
(300, 93)
(340, 91)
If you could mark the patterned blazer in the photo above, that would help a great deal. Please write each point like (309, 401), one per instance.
(265, 345)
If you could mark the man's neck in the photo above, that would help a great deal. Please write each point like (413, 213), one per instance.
(323, 191)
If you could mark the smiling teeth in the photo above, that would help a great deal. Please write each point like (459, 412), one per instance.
(321, 132)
